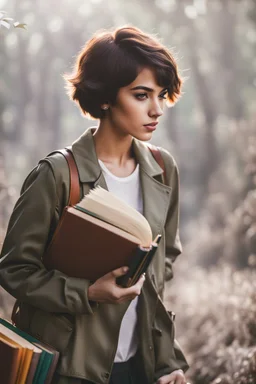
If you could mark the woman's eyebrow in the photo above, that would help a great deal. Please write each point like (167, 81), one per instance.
(146, 88)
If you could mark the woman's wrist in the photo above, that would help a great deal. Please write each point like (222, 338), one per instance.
(93, 303)
(90, 294)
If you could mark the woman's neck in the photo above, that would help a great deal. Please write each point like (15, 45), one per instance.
(111, 147)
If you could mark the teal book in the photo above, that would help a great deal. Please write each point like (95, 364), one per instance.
(45, 360)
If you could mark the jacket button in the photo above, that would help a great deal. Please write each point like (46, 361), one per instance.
(106, 375)
(150, 347)
(172, 315)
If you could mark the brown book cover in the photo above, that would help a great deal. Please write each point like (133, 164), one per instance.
(10, 360)
(87, 247)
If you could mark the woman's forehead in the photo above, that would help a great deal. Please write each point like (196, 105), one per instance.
(146, 78)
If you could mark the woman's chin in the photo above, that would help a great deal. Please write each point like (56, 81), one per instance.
(144, 136)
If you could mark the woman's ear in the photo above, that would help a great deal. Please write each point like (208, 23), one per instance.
(105, 107)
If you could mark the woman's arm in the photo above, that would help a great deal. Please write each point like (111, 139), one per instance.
(22, 272)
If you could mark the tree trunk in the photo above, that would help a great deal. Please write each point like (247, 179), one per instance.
(229, 71)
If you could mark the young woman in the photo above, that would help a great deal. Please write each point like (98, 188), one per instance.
(105, 333)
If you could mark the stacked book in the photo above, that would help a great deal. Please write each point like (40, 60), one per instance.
(23, 358)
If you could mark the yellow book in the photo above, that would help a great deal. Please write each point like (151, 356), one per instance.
(11, 355)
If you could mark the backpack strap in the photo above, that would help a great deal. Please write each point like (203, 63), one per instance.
(159, 159)
(74, 194)
(74, 191)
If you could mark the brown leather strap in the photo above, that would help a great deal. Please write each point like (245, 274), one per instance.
(14, 311)
(74, 192)
(159, 159)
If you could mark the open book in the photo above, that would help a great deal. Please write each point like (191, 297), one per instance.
(99, 234)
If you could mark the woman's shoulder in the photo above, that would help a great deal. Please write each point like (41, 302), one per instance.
(50, 174)
(168, 158)
(58, 164)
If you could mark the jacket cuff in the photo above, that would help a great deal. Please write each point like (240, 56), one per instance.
(78, 301)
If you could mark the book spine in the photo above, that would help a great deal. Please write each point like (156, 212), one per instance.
(144, 265)
(136, 261)
(25, 366)
(45, 368)
(15, 368)
(52, 368)
(32, 368)
(10, 361)
(22, 360)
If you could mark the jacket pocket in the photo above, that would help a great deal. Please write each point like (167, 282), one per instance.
(167, 351)
(53, 329)
(164, 328)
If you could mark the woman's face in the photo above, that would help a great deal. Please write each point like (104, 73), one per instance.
(138, 107)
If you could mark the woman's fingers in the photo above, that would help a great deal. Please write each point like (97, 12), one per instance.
(118, 272)
(176, 377)
(126, 294)
(136, 288)
(105, 289)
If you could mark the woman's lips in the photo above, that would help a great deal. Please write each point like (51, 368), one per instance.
(151, 127)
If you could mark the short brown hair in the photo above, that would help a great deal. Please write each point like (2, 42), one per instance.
(113, 59)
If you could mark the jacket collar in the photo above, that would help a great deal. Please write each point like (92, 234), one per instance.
(87, 162)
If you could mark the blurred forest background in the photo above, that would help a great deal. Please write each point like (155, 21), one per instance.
(211, 132)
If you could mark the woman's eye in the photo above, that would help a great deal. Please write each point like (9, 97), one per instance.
(141, 96)
(163, 96)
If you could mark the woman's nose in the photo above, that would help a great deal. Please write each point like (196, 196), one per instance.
(156, 109)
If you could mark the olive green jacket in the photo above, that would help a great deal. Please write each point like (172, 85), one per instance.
(54, 307)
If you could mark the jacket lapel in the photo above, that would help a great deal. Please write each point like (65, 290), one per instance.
(89, 170)
(156, 196)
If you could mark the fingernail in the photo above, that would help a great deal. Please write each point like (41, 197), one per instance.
(125, 269)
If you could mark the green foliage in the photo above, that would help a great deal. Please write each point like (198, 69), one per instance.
(8, 22)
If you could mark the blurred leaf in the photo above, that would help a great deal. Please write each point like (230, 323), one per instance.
(5, 24)
(2, 13)
(20, 25)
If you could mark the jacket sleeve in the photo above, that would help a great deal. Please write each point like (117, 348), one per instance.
(22, 272)
(173, 244)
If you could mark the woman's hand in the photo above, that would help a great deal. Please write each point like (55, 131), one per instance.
(105, 289)
(176, 377)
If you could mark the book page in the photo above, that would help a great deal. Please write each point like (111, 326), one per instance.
(113, 210)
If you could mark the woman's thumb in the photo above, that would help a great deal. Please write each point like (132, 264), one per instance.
(120, 271)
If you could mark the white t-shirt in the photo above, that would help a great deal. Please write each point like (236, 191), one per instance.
(129, 190)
